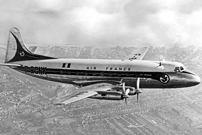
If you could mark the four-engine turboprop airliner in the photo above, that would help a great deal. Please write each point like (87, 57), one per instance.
(126, 77)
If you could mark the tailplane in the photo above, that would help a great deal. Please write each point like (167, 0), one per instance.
(17, 51)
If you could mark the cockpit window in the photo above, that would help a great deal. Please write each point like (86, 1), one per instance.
(179, 69)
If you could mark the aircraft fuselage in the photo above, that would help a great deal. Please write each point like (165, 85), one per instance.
(83, 72)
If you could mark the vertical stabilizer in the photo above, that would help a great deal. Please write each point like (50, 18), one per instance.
(16, 49)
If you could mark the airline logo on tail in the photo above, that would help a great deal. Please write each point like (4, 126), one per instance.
(17, 51)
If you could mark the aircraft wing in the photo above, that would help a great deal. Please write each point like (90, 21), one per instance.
(79, 96)
(138, 54)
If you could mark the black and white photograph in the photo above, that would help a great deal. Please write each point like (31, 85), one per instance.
(100, 67)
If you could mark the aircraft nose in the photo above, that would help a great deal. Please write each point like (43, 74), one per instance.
(197, 80)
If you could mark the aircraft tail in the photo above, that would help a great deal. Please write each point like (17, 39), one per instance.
(16, 49)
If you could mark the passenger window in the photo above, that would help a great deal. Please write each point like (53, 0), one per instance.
(177, 69)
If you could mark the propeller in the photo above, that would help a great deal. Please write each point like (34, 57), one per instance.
(125, 92)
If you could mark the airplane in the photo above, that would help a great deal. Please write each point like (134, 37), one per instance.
(126, 77)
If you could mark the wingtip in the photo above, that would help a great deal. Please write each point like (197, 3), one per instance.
(58, 104)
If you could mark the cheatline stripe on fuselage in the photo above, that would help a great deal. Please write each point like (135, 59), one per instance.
(131, 74)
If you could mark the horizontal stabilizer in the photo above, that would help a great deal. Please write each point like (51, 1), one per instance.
(10, 64)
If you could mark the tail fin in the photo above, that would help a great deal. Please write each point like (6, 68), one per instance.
(16, 49)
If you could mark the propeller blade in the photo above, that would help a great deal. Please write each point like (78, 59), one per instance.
(138, 88)
(137, 97)
(126, 101)
(138, 83)
(127, 92)
(124, 88)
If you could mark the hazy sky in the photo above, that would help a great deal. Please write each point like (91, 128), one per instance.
(104, 22)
